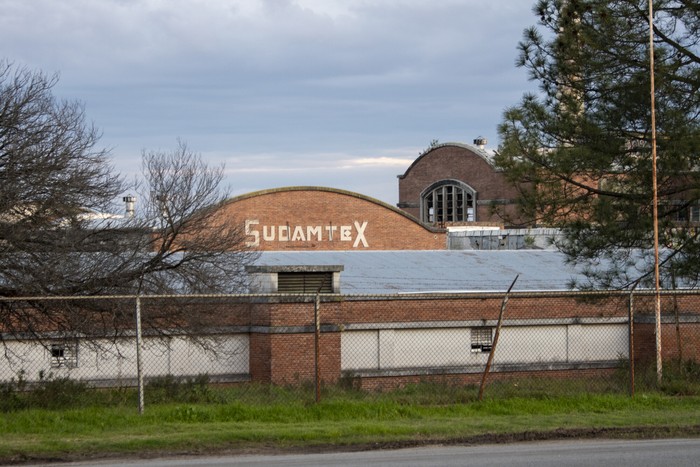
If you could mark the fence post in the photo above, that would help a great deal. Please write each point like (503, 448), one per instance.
(630, 325)
(495, 338)
(679, 343)
(139, 367)
(317, 346)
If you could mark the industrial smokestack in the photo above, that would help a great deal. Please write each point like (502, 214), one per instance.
(130, 202)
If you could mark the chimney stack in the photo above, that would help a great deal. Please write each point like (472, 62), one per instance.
(130, 202)
(480, 142)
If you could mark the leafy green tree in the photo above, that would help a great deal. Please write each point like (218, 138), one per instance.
(580, 148)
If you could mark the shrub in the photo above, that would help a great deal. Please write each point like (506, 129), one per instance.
(168, 388)
(53, 392)
(10, 394)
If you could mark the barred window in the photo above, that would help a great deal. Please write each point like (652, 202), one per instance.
(694, 213)
(481, 339)
(448, 201)
(64, 355)
(682, 213)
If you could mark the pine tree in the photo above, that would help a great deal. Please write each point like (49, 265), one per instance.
(580, 148)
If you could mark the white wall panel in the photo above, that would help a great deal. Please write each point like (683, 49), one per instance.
(359, 350)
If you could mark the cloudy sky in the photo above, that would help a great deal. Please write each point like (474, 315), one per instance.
(339, 93)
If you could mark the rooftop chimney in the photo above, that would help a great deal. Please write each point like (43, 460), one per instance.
(480, 142)
(130, 202)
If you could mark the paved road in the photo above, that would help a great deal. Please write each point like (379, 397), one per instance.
(667, 453)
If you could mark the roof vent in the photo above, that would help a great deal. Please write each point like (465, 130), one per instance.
(480, 142)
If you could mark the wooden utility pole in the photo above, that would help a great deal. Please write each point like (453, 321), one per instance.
(495, 338)
(657, 286)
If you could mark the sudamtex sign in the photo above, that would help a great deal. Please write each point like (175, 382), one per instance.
(352, 233)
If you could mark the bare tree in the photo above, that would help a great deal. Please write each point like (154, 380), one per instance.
(194, 249)
(55, 186)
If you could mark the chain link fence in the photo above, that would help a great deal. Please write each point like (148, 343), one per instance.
(543, 343)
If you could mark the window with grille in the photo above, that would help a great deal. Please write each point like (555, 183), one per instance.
(685, 214)
(694, 213)
(448, 201)
(64, 355)
(481, 339)
(305, 282)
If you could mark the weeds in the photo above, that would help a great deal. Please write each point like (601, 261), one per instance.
(679, 378)
(54, 393)
(171, 389)
(50, 392)
(10, 394)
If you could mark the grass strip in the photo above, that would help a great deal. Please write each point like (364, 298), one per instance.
(339, 421)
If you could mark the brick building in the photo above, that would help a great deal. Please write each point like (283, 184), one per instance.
(318, 218)
(394, 317)
(455, 184)
(398, 305)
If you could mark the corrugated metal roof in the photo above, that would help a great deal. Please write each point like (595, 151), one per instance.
(389, 272)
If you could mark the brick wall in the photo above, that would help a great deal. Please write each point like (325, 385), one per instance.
(283, 351)
(475, 307)
(280, 332)
(283, 345)
(676, 342)
(457, 162)
(313, 218)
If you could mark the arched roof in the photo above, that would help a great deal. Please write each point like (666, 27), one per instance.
(485, 155)
(336, 191)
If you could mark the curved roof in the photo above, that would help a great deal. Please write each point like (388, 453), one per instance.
(337, 191)
(485, 155)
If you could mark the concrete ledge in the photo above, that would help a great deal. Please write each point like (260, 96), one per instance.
(471, 369)
(477, 323)
(667, 319)
(295, 268)
(133, 382)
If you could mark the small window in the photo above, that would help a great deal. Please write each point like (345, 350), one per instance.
(694, 213)
(481, 339)
(64, 355)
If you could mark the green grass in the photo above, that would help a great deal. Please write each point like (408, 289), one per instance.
(338, 420)
(191, 416)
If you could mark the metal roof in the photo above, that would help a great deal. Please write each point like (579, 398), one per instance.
(391, 272)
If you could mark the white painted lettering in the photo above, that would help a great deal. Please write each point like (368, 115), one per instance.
(256, 233)
(360, 234)
(284, 233)
(311, 231)
(298, 234)
(330, 229)
(252, 233)
(268, 236)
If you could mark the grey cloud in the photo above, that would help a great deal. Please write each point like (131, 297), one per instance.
(289, 78)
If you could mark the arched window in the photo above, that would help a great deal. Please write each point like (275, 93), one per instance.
(448, 201)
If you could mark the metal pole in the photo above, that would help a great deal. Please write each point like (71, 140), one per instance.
(317, 346)
(139, 367)
(679, 343)
(657, 286)
(495, 339)
(630, 352)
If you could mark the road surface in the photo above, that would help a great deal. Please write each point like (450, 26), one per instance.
(599, 453)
